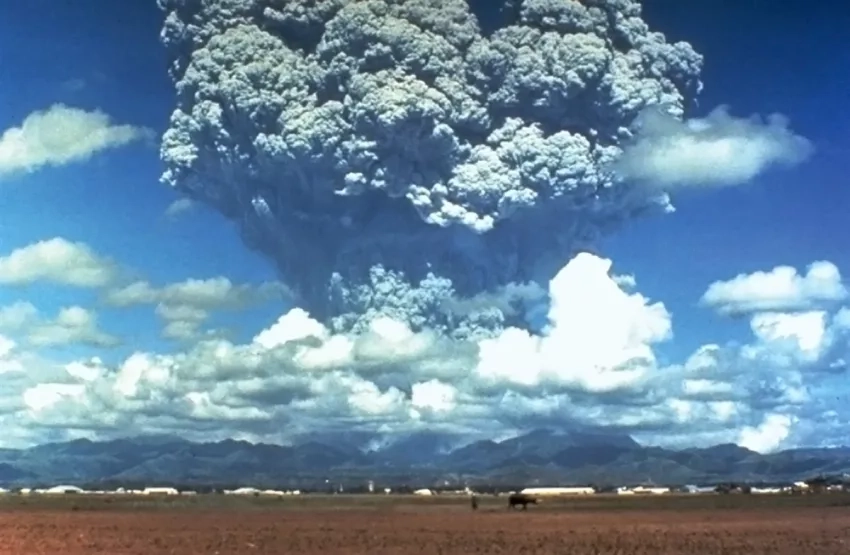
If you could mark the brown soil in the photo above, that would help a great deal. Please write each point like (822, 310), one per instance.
(408, 527)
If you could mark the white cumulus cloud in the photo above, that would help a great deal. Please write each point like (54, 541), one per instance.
(767, 436)
(598, 338)
(185, 306)
(60, 135)
(780, 289)
(18, 315)
(596, 362)
(718, 150)
(205, 294)
(806, 330)
(56, 260)
(71, 325)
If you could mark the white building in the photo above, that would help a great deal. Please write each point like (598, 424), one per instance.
(242, 491)
(644, 490)
(700, 489)
(765, 490)
(55, 490)
(160, 491)
(558, 491)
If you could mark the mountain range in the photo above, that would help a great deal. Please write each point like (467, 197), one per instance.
(544, 457)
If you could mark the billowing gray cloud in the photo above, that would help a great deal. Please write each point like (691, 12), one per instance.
(389, 156)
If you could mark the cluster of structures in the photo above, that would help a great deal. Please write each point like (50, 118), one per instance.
(258, 492)
(815, 485)
(63, 489)
(66, 489)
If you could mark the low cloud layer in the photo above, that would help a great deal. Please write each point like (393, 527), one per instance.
(598, 360)
(61, 135)
(184, 307)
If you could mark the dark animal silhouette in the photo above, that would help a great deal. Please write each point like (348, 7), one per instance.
(474, 502)
(521, 499)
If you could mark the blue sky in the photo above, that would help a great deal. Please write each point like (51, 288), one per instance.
(111, 61)
(106, 56)
(759, 60)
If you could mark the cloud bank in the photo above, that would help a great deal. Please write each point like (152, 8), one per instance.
(596, 361)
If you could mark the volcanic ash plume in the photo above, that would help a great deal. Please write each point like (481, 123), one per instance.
(392, 158)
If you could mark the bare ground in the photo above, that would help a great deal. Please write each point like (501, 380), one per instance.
(399, 525)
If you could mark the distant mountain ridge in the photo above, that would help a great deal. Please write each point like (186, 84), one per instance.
(422, 459)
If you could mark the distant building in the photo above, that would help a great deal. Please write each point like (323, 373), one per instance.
(277, 492)
(800, 487)
(160, 491)
(558, 491)
(765, 490)
(62, 490)
(643, 490)
(700, 489)
(242, 491)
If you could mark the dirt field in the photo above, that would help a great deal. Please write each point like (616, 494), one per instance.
(377, 525)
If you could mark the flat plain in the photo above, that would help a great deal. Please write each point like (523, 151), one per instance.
(443, 524)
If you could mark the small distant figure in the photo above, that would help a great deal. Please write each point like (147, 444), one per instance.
(474, 502)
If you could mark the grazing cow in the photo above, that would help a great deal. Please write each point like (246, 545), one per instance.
(521, 499)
